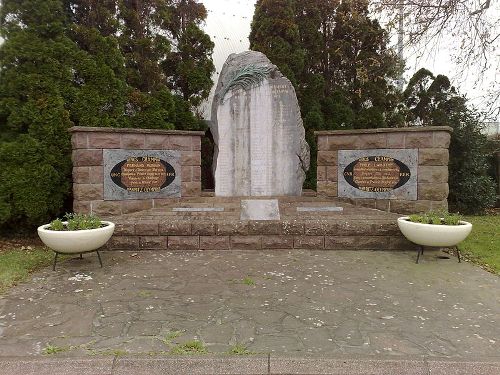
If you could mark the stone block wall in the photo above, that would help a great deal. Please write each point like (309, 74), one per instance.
(88, 144)
(432, 144)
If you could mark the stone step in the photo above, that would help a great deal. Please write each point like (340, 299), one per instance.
(346, 229)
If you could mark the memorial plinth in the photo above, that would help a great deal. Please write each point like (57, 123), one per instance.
(402, 170)
(117, 171)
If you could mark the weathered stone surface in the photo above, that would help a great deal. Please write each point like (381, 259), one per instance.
(81, 175)
(265, 227)
(327, 157)
(153, 242)
(104, 140)
(84, 157)
(433, 174)
(373, 141)
(442, 139)
(419, 140)
(257, 128)
(433, 156)
(190, 158)
(191, 189)
(410, 207)
(440, 206)
(261, 209)
(321, 173)
(96, 175)
(348, 142)
(87, 192)
(327, 188)
(186, 174)
(124, 228)
(245, 242)
(203, 228)
(433, 191)
(308, 242)
(277, 242)
(313, 308)
(175, 228)
(232, 228)
(154, 141)
(332, 173)
(146, 227)
(382, 204)
(214, 242)
(182, 143)
(79, 140)
(81, 207)
(356, 243)
(123, 243)
(396, 140)
(133, 141)
(136, 205)
(106, 208)
(183, 242)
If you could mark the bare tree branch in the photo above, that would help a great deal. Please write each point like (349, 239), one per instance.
(472, 25)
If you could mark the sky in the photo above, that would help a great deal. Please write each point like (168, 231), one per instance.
(228, 24)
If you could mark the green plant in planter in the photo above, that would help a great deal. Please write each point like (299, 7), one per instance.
(436, 218)
(76, 222)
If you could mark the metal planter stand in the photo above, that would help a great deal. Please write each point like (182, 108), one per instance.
(81, 257)
(420, 251)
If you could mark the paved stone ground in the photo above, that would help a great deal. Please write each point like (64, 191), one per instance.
(295, 303)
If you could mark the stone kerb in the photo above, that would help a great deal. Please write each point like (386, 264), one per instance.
(431, 145)
(89, 145)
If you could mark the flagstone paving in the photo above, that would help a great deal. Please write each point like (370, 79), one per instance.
(292, 302)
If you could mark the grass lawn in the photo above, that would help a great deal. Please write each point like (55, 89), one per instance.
(17, 264)
(483, 244)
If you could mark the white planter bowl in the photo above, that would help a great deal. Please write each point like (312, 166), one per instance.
(76, 241)
(432, 234)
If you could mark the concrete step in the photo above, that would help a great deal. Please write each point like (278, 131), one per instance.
(255, 365)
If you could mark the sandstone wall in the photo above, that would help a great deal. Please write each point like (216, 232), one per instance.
(432, 144)
(88, 171)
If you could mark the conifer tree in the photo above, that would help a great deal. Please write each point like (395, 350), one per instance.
(275, 33)
(36, 78)
(433, 101)
(338, 59)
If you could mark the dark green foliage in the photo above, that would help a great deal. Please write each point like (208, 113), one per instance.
(338, 60)
(276, 34)
(36, 79)
(88, 63)
(77, 222)
(190, 67)
(436, 218)
(433, 101)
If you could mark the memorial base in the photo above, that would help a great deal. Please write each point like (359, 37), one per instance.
(215, 223)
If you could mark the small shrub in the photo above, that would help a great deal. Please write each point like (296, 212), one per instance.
(76, 222)
(436, 218)
(57, 225)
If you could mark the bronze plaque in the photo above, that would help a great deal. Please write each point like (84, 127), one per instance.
(377, 173)
(143, 174)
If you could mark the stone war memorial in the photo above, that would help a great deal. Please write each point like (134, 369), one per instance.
(149, 181)
(260, 146)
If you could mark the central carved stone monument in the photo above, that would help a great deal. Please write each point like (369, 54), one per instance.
(260, 147)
